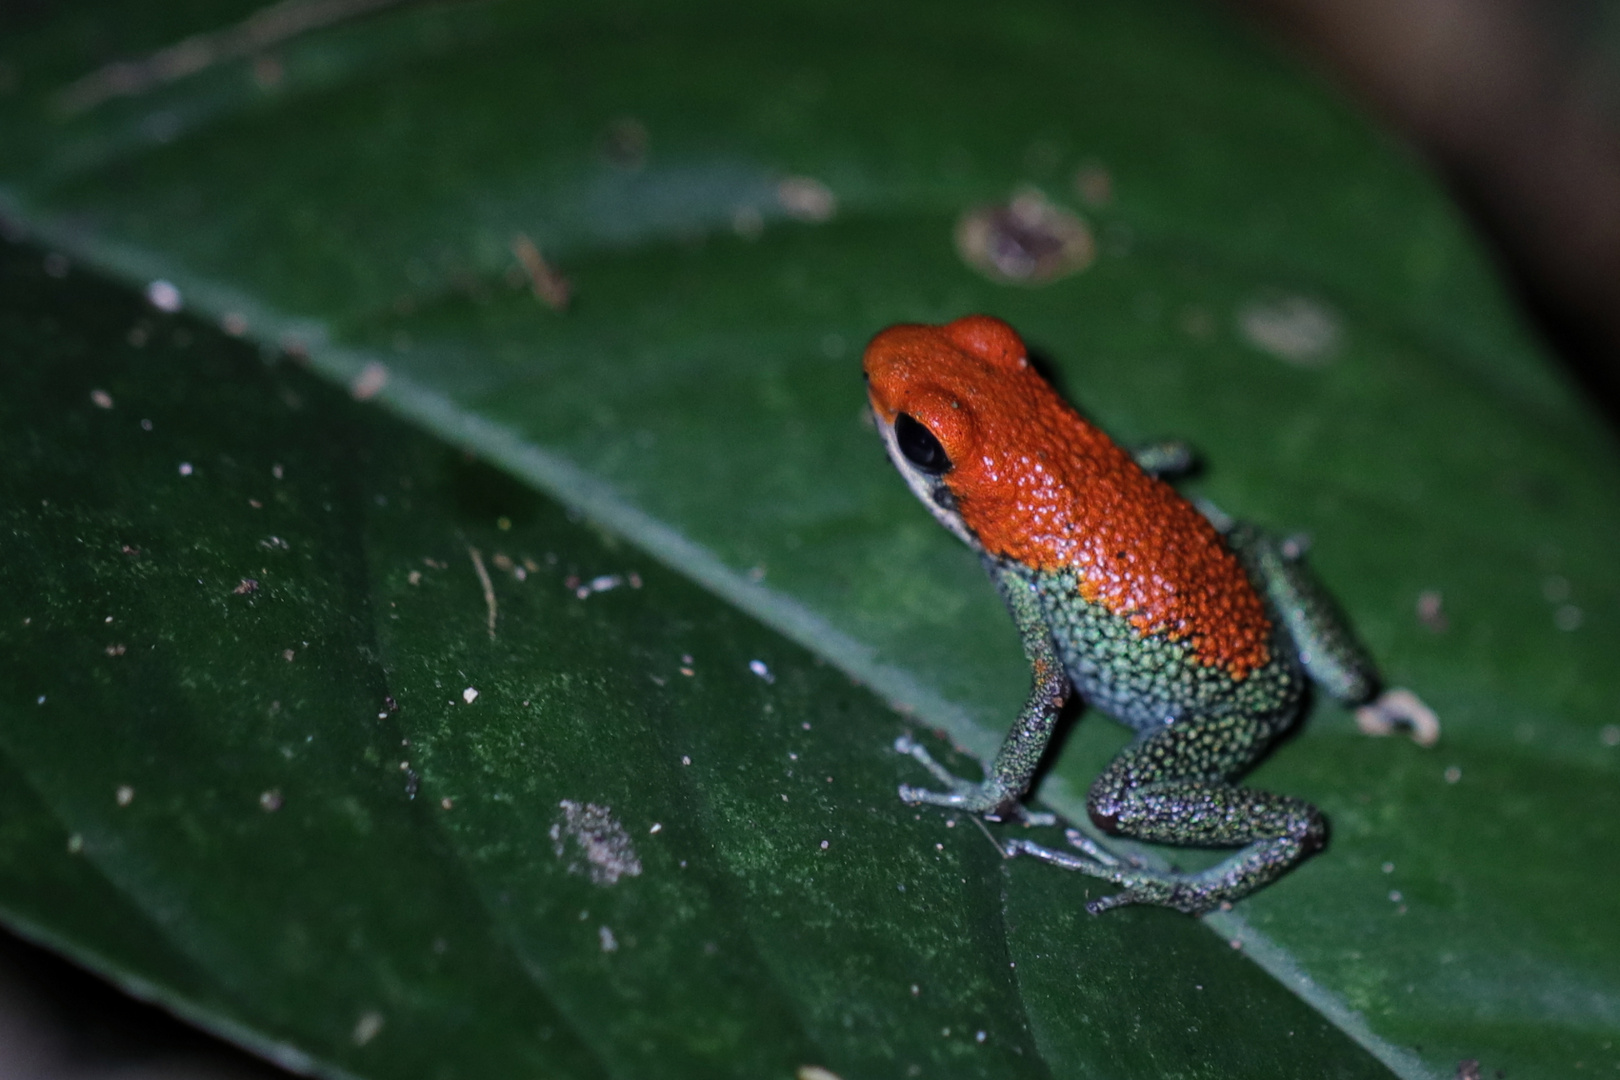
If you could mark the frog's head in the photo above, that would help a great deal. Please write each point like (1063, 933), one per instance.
(936, 393)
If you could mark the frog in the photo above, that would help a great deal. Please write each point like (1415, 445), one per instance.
(1200, 633)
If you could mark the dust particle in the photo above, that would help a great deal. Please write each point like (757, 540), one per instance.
(1568, 617)
(546, 282)
(369, 383)
(367, 1027)
(101, 399)
(815, 1072)
(124, 795)
(609, 942)
(589, 831)
(1295, 329)
(164, 296)
(805, 198)
(469, 695)
(1431, 610)
(247, 585)
(270, 801)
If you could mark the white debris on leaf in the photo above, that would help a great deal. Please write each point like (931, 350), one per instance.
(1295, 329)
(367, 1027)
(589, 831)
(601, 583)
(806, 199)
(1399, 710)
(369, 382)
(815, 1072)
(164, 296)
(469, 695)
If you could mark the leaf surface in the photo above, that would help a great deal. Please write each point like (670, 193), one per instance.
(1273, 281)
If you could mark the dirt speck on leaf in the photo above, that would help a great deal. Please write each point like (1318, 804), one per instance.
(805, 198)
(1294, 329)
(367, 1027)
(594, 843)
(1026, 241)
(369, 382)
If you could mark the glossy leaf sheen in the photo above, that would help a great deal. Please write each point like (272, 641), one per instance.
(360, 200)
(332, 811)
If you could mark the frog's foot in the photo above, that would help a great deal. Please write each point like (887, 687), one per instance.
(988, 799)
(1194, 894)
(1399, 710)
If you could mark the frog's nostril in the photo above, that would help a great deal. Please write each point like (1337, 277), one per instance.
(919, 446)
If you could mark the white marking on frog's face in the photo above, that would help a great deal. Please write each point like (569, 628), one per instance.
(931, 490)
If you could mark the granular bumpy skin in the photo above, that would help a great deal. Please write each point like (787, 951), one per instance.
(1200, 640)
(1040, 486)
(1145, 681)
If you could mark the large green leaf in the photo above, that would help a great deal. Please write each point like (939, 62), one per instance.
(353, 195)
(364, 815)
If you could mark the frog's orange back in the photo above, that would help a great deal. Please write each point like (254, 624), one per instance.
(1037, 484)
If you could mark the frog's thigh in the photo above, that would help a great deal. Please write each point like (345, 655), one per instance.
(1171, 787)
(1327, 647)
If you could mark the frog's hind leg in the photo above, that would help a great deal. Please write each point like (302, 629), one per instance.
(1169, 788)
(1327, 649)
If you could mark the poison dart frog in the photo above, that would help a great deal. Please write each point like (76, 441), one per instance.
(1198, 634)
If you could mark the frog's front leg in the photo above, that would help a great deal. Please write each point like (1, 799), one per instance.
(1000, 794)
(1170, 787)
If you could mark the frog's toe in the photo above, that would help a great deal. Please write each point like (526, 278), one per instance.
(1106, 903)
(908, 746)
(1085, 864)
(963, 795)
(1082, 842)
(1167, 891)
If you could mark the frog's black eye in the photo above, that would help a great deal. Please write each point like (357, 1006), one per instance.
(920, 446)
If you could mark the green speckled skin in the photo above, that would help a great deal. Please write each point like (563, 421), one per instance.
(1198, 729)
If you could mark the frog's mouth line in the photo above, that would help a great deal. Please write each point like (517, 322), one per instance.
(930, 489)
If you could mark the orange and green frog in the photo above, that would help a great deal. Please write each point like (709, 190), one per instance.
(1198, 634)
